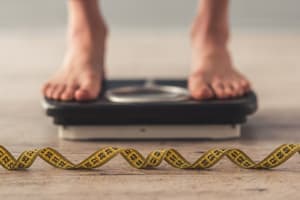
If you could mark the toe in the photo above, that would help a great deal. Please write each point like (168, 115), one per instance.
(82, 95)
(54, 89)
(88, 91)
(199, 89)
(237, 88)
(218, 89)
(233, 89)
(45, 88)
(58, 91)
(228, 90)
(201, 93)
(245, 85)
(68, 93)
(50, 90)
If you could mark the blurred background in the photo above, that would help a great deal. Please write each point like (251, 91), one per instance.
(151, 38)
(145, 14)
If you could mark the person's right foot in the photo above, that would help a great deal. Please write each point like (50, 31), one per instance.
(82, 72)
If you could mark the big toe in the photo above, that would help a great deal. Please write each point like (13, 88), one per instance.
(88, 92)
(85, 95)
(199, 89)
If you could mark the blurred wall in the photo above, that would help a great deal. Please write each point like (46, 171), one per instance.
(254, 14)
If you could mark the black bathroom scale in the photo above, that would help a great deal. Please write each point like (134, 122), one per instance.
(157, 109)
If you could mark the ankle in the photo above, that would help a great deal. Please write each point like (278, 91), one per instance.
(206, 33)
(92, 30)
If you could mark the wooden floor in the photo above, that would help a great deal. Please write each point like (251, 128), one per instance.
(271, 62)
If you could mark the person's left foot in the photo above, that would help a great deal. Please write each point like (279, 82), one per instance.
(213, 74)
(215, 77)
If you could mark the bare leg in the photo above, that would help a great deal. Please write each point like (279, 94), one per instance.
(82, 71)
(213, 73)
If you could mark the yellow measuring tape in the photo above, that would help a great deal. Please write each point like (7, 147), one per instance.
(136, 160)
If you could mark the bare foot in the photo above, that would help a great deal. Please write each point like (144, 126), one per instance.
(213, 74)
(82, 71)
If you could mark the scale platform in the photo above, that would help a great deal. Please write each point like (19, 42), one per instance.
(105, 118)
